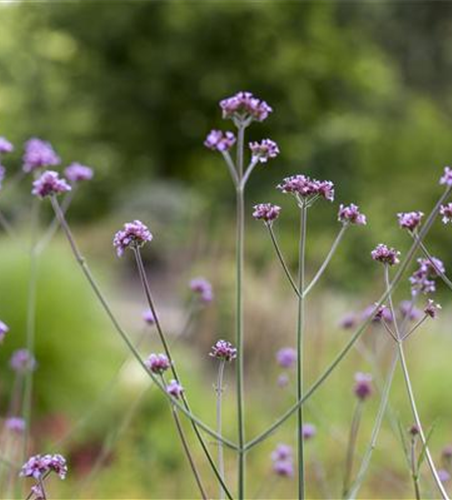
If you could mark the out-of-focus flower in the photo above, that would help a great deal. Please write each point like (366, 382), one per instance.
(282, 458)
(363, 385)
(219, 141)
(382, 313)
(5, 146)
(282, 452)
(243, 107)
(174, 389)
(423, 279)
(443, 475)
(446, 212)
(308, 431)
(133, 235)
(348, 321)
(157, 363)
(22, 361)
(224, 351)
(407, 309)
(264, 150)
(38, 154)
(306, 189)
(40, 465)
(4, 329)
(148, 317)
(350, 214)
(385, 255)
(447, 177)
(283, 380)
(266, 212)
(15, 424)
(77, 172)
(286, 357)
(49, 184)
(447, 453)
(414, 430)
(431, 309)
(203, 288)
(409, 220)
(283, 468)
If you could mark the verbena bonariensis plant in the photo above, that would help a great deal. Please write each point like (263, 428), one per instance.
(243, 110)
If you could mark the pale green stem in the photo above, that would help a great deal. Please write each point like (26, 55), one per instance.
(231, 167)
(248, 172)
(414, 471)
(354, 429)
(219, 391)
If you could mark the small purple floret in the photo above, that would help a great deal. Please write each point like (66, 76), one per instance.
(39, 154)
(446, 179)
(410, 220)
(4, 329)
(266, 212)
(5, 146)
(224, 351)
(49, 184)
(308, 431)
(203, 288)
(22, 361)
(363, 385)
(431, 309)
(286, 357)
(243, 106)
(219, 141)
(443, 475)
(157, 363)
(305, 189)
(348, 321)
(446, 212)
(76, 172)
(351, 215)
(40, 465)
(385, 255)
(174, 389)
(423, 279)
(282, 452)
(148, 317)
(133, 235)
(264, 150)
(15, 424)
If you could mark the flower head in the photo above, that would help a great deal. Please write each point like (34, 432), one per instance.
(148, 317)
(266, 212)
(40, 465)
(4, 329)
(5, 146)
(306, 189)
(133, 235)
(264, 150)
(443, 475)
(39, 154)
(381, 313)
(243, 107)
(423, 279)
(48, 184)
(219, 141)
(282, 452)
(447, 177)
(283, 468)
(157, 363)
(308, 431)
(348, 321)
(385, 255)
(223, 350)
(446, 212)
(431, 309)
(22, 361)
(76, 172)
(363, 385)
(351, 215)
(282, 458)
(203, 288)
(410, 220)
(15, 424)
(174, 389)
(286, 357)
(414, 430)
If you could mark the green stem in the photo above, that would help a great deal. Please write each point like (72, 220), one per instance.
(300, 350)
(219, 391)
(354, 429)
(414, 472)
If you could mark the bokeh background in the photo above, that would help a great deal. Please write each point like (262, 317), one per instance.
(361, 96)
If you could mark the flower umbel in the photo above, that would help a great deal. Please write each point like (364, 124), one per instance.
(133, 235)
(219, 141)
(40, 465)
(203, 288)
(410, 220)
(22, 361)
(76, 172)
(244, 107)
(38, 154)
(15, 424)
(266, 212)
(48, 184)
(224, 351)
(385, 255)
(158, 363)
(264, 150)
(174, 389)
(306, 189)
(286, 357)
(446, 212)
(350, 214)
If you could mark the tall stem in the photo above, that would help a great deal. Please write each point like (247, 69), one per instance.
(300, 350)
(354, 428)
(219, 390)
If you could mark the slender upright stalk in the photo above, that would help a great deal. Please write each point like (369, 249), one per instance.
(414, 471)
(240, 242)
(300, 350)
(219, 391)
(354, 429)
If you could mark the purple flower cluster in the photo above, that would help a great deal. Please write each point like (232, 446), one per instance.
(266, 212)
(308, 431)
(243, 106)
(5, 146)
(363, 385)
(49, 184)
(423, 279)
(443, 475)
(39, 154)
(446, 212)
(385, 255)
(133, 235)
(410, 220)
(203, 288)
(350, 214)
(224, 351)
(4, 329)
(15, 424)
(157, 363)
(219, 141)
(431, 309)
(148, 317)
(22, 361)
(382, 313)
(446, 179)
(76, 172)
(282, 458)
(286, 357)
(39, 466)
(305, 189)
(174, 389)
(264, 150)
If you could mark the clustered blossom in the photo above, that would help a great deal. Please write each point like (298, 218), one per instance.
(431, 309)
(133, 235)
(40, 465)
(243, 107)
(447, 177)
(39, 154)
(174, 389)
(350, 214)
(385, 255)
(363, 385)
(76, 172)
(382, 313)
(409, 220)
(423, 279)
(22, 361)
(48, 184)
(148, 317)
(282, 458)
(305, 189)
(266, 212)
(408, 310)
(15, 424)
(157, 363)
(286, 357)
(443, 475)
(5, 146)
(224, 351)
(203, 288)
(219, 141)
(308, 431)
(349, 320)
(4, 329)
(446, 212)
(264, 150)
